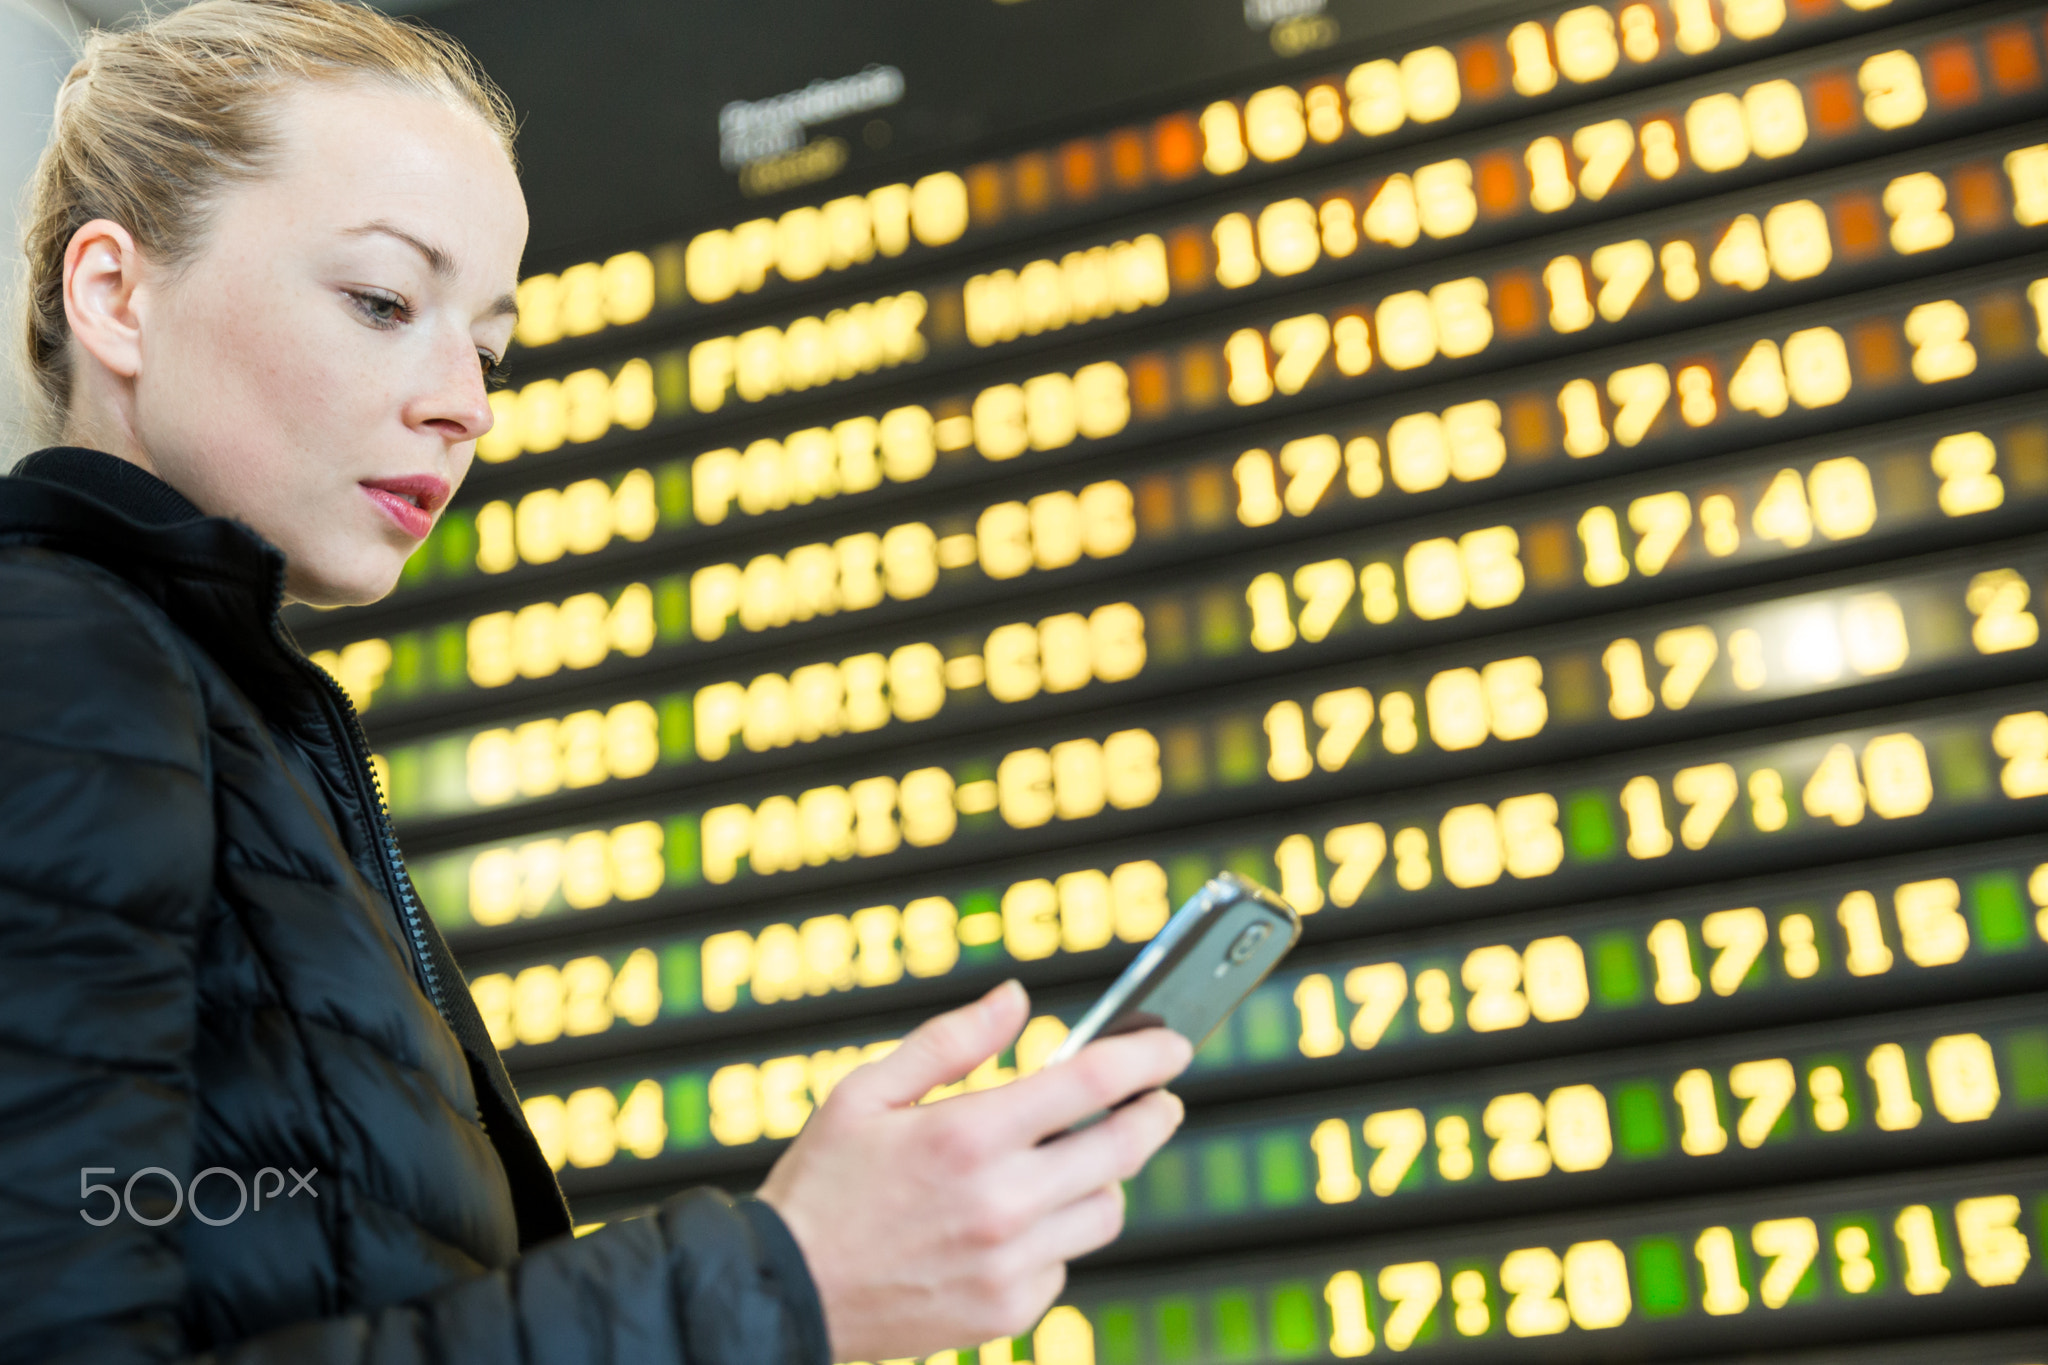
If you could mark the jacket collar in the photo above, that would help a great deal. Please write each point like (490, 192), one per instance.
(126, 487)
(218, 580)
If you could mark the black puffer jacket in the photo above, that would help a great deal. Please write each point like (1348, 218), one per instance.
(210, 957)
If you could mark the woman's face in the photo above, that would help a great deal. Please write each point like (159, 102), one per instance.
(318, 370)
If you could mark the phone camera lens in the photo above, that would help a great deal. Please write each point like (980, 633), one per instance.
(1248, 942)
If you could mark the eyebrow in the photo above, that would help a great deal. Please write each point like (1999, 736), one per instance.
(438, 261)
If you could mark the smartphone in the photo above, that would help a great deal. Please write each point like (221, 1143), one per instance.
(1197, 969)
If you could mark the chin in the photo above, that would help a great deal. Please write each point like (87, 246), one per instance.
(358, 587)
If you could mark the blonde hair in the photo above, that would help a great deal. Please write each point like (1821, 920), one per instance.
(154, 121)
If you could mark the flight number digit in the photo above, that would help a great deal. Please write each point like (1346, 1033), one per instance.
(582, 871)
(583, 749)
(577, 408)
(585, 298)
(584, 996)
(581, 519)
(543, 638)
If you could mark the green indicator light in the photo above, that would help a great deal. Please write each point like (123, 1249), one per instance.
(1174, 1322)
(681, 851)
(1166, 1181)
(1252, 862)
(1220, 1051)
(2000, 912)
(680, 978)
(1185, 875)
(420, 565)
(1238, 751)
(451, 656)
(1639, 1117)
(1222, 626)
(1263, 1019)
(671, 609)
(1960, 762)
(1589, 826)
(447, 779)
(671, 380)
(403, 790)
(1283, 1181)
(678, 728)
(1226, 1186)
(1661, 1288)
(1116, 1335)
(458, 542)
(672, 490)
(444, 889)
(2026, 1063)
(1237, 1327)
(688, 1117)
(1295, 1331)
(408, 664)
(1617, 970)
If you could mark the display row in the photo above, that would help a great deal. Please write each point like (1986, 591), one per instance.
(1728, 798)
(714, 1096)
(1560, 558)
(1468, 81)
(1954, 1250)
(1654, 150)
(1962, 1083)
(1956, 1084)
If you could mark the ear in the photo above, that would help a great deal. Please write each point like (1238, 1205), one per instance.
(103, 274)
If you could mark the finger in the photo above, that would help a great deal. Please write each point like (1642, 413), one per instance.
(1102, 1074)
(942, 1049)
(1116, 1149)
(1087, 1224)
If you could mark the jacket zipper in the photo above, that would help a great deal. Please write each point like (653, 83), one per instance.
(401, 887)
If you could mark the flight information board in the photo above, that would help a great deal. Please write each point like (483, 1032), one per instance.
(1557, 493)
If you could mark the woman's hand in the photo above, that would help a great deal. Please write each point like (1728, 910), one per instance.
(929, 1226)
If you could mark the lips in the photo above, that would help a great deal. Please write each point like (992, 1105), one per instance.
(411, 500)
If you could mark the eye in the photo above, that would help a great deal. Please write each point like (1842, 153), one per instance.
(495, 373)
(379, 308)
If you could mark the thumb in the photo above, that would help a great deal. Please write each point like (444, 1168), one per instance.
(943, 1049)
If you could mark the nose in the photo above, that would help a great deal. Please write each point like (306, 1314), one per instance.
(452, 402)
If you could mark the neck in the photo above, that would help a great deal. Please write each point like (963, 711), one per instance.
(99, 421)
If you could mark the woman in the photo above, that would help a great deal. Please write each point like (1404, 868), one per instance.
(246, 1106)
